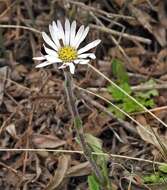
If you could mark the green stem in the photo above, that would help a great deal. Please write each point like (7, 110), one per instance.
(78, 126)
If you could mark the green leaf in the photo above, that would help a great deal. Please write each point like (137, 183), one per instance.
(96, 145)
(163, 168)
(147, 94)
(92, 183)
(117, 94)
(94, 142)
(153, 178)
(119, 71)
(122, 100)
(130, 106)
(116, 112)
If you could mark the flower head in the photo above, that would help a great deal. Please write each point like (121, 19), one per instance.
(64, 46)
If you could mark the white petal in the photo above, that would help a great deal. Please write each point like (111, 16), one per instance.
(86, 55)
(39, 58)
(86, 61)
(78, 36)
(77, 61)
(52, 59)
(55, 28)
(89, 46)
(61, 31)
(50, 51)
(73, 31)
(54, 36)
(67, 32)
(46, 63)
(82, 37)
(81, 61)
(63, 66)
(49, 41)
(72, 67)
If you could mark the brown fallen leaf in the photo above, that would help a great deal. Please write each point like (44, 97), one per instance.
(138, 2)
(3, 6)
(142, 17)
(152, 139)
(11, 129)
(158, 30)
(60, 172)
(3, 76)
(96, 123)
(162, 14)
(120, 3)
(38, 169)
(13, 178)
(79, 170)
(46, 141)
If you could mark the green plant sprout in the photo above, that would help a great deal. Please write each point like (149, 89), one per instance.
(95, 145)
(122, 100)
(159, 177)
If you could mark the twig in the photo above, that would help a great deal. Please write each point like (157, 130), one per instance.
(78, 152)
(8, 167)
(17, 84)
(152, 110)
(142, 87)
(109, 15)
(78, 126)
(21, 27)
(124, 35)
(7, 9)
(113, 38)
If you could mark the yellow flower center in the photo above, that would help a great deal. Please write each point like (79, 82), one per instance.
(67, 54)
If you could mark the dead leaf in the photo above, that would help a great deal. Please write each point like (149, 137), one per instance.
(38, 169)
(3, 7)
(162, 14)
(142, 17)
(13, 178)
(3, 75)
(120, 3)
(11, 129)
(79, 170)
(160, 34)
(46, 141)
(138, 2)
(96, 123)
(146, 21)
(60, 172)
(146, 136)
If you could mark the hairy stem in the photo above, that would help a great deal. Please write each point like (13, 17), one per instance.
(78, 126)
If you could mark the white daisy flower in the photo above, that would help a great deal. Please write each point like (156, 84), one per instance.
(64, 46)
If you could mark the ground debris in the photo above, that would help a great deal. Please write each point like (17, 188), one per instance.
(33, 108)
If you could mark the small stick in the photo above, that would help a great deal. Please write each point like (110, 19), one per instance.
(21, 27)
(124, 35)
(78, 152)
(109, 15)
(142, 87)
